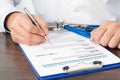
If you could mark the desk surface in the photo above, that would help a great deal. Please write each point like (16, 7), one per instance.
(14, 66)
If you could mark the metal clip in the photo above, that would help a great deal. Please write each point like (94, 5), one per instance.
(87, 66)
(59, 25)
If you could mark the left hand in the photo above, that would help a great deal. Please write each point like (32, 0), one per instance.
(108, 34)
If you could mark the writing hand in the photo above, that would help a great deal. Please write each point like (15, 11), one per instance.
(24, 31)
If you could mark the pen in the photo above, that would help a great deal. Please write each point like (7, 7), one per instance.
(35, 22)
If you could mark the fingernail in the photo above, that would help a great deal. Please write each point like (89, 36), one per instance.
(118, 47)
(91, 39)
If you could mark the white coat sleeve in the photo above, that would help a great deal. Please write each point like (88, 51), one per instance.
(6, 7)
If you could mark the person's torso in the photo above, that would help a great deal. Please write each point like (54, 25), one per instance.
(78, 11)
(13, 2)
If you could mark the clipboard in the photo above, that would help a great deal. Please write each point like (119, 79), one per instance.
(65, 75)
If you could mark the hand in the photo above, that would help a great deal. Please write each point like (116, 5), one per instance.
(24, 31)
(108, 34)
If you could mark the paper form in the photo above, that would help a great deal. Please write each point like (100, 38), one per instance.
(66, 49)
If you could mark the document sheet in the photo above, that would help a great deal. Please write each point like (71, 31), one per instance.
(65, 49)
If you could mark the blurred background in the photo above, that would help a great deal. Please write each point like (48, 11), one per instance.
(27, 4)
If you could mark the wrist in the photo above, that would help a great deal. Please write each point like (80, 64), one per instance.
(9, 19)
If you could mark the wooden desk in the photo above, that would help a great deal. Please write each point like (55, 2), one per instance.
(14, 66)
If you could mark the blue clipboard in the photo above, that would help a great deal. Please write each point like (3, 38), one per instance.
(65, 75)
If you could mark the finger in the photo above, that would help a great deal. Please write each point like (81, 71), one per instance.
(42, 23)
(119, 46)
(20, 31)
(98, 33)
(114, 42)
(37, 39)
(17, 38)
(21, 36)
(92, 37)
(33, 41)
(28, 25)
(107, 35)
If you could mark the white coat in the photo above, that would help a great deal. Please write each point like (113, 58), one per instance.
(71, 11)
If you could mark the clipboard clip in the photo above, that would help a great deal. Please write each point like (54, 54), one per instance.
(86, 67)
(60, 26)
